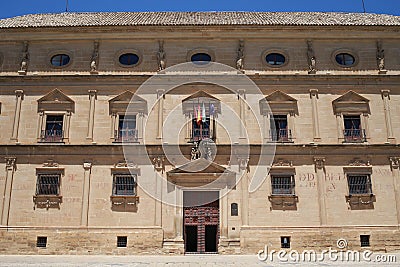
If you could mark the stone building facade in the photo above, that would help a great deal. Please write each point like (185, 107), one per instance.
(88, 147)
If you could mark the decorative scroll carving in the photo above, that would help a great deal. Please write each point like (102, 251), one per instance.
(319, 162)
(282, 163)
(50, 164)
(358, 162)
(394, 162)
(240, 56)
(95, 58)
(11, 163)
(312, 61)
(87, 166)
(244, 164)
(361, 202)
(124, 203)
(161, 56)
(283, 202)
(125, 164)
(158, 163)
(25, 59)
(47, 202)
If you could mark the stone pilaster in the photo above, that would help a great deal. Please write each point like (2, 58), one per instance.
(160, 119)
(92, 100)
(20, 96)
(319, 163)
(244, 209)
(242, 113)
(87, 166)
(388, 120)
(394, 164)
(6, 198)
(223, 203)
(314, 106)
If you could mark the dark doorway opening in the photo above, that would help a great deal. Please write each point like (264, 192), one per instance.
(211, 238)
(191, 238)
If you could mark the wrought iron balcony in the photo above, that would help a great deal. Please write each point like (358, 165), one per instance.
(354, 135)
(200, 134)
(52, 136)
(281, 135)
(126, 135)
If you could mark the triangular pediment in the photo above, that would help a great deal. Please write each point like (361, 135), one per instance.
(351, 102)
(56, 100)
(127, 99)
(199, 98)
(278, 102)
(202, 173)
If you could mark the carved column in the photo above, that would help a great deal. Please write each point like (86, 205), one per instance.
(266, 126)
(40, 125)
(242, 113)
(320, 175)
(92, 99)
(314, 97)
(66, 126)
(20, 96)
(188, 126)
(158, 199)
(179, 214)
(394, 164)
(139, 125)
(160, 96)
(339, 124)
(388, 118)
(87, 166)
(223, 202)
(10, 170)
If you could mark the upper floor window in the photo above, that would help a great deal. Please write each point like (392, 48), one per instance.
(282, 184)
(279, 131)
(200, 58)
(127, 131)
(60, 60)
(53, 131)
(352, 129)
(275, 59)
(359, 184)
(124, 185)
(128, 59)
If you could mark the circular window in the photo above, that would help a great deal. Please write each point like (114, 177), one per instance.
(200, 58)
(345, 59)
(275, 59)
(128, 59)
(60, 60)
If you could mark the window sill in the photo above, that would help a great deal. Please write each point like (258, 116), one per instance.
(283, 202)
(47, 201)
(124, 203)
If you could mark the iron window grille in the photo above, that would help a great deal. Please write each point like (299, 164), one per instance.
(48, 184)
(41, 242)
(364, 240)
(124, 185)
(122, 241)
(283, 185)
(359, 184)
(285, 241)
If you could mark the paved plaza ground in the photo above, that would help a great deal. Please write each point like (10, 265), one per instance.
(158, 261)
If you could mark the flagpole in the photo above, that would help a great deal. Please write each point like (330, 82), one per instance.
(66, 6)
(363, 5)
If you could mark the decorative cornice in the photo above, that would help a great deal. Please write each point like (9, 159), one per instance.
(358, 162)
(319, 162)
(87, 166)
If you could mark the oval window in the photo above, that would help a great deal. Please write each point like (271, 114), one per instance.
(345, 59)
(60, 60)
(200, 58)
(275, 59)
(129, 59)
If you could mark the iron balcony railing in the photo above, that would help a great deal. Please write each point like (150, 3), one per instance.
(281, 135)
(126, 135)
(200, 134)
(52, 136)
(354, 135)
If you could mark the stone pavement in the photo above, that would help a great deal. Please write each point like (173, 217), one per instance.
(162, 260)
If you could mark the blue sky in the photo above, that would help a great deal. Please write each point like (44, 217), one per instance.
(15, 8)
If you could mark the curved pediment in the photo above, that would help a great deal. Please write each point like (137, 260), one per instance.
(351, 102)
(56, 100)
(278, 102)
(120, 103)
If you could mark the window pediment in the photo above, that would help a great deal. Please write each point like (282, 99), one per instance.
(278, 102)
(120, 104)
(201, 97)
(351, 102)
(56, 100)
